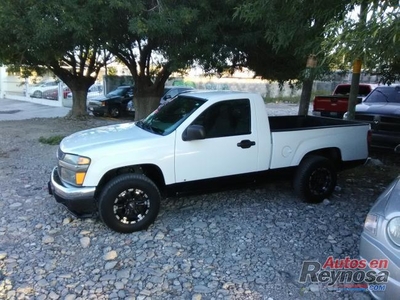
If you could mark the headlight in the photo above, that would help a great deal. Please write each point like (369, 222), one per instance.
(393, 230)
(103, 103)
(72, 168)
(371, 223)
(76, 160)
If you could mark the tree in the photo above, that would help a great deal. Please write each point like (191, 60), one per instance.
(156, 38)
(372, 39)
(295, 30)
(59, 35)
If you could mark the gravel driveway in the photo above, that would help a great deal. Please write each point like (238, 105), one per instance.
(240, 244)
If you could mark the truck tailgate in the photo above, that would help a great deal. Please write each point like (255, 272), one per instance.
(331, 106)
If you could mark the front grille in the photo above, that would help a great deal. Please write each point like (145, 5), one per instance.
(94, 104)
(368, 118)
(381, 123)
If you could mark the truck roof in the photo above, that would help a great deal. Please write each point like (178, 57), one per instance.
(219, 95)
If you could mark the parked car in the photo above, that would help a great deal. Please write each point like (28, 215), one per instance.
(380, 239)
(172, 91)
(36, 91)
(381, 109)
(52, 94)
(112, 104)
(335, 105)
(94, 91)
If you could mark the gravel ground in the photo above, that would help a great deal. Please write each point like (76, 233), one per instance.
(242, 244)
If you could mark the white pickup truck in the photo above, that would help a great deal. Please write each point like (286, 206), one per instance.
(120, 170)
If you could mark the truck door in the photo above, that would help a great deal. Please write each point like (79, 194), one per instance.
(230, 145)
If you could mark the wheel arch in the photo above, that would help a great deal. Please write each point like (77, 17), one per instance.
(153, 172)
(332, 153)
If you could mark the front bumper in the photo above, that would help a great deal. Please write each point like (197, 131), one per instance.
(370, 249)
(98, 109)
(80, 201)
(384, 139)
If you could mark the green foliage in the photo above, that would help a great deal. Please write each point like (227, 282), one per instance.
(374, 37)
(154, 38)
(52, 140)
(58, 35)
(112, 71)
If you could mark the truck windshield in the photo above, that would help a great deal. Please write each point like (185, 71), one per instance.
(169, 116)
(384, 94)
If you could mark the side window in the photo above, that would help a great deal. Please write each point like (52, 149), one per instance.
(226, 118)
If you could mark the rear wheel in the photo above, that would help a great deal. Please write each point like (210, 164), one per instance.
(129, 202)
(315, 179)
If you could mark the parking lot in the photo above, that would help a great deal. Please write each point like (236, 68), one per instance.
(21, 110)
(241, 243)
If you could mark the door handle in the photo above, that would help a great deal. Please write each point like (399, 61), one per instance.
(246, 144)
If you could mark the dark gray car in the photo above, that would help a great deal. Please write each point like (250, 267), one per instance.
(113, 104)
(381, 108)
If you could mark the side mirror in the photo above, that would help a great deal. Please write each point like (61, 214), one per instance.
(194, 132)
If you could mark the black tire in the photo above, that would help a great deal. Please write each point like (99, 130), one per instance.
(96, 114)
(114, 112)
(315, 179)
(129, 202)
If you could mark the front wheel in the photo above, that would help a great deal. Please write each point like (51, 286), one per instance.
(315, 179)
(115, 112)
(129, 202)
(37, 94)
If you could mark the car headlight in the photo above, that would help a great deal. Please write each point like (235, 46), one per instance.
(393, 230)
(371, 223)
(346, 116)
(103, 103)
(73, 168)
(76, 159)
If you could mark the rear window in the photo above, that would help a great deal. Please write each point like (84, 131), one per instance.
(363, 90)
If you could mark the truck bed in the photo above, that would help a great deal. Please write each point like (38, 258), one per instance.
(292, 123)
(293, 136)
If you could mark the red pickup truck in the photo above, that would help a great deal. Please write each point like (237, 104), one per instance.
(335, 105)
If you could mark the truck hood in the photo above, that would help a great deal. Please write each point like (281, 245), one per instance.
(103, 98)
(86, 141)
(388, 108)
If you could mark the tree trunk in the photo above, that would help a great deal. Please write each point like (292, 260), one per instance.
(145, 105)
(355, 84)
(307, 85)
(78, 103)
(355, 79)
(305, 96)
